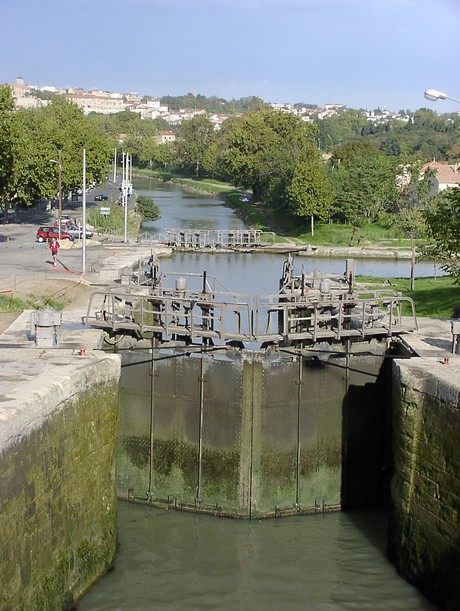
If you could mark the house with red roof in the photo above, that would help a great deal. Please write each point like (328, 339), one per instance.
(441, 176)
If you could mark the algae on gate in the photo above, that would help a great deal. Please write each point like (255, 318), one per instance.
(234, 435)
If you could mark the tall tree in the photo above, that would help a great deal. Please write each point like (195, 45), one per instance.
(7, 144)
(365, 183)
(309, 191)
(30, 139)
(443, 220)
(261, 150)
(65, 128)
(194, 138)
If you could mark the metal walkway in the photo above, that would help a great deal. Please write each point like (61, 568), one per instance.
(197, 307)
(203, 239)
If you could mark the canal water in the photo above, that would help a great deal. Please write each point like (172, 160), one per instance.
(256, 273)
(176, 561)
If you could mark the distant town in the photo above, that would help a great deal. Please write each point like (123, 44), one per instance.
(149, 107)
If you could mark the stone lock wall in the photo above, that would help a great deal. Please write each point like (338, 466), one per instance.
(424, 536)
(58, 528)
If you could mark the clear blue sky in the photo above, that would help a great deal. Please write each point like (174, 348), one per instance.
(361, 53)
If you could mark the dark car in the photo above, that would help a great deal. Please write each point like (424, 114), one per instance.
(101, 197)
(46, 233)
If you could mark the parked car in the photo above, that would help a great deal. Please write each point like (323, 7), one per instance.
(46, 233)
(74, 230)
(65, 220)
(101, 197)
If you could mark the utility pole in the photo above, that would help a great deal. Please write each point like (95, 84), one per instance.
(83, 246)
(59, 164)
(124, 187)
(114, 177)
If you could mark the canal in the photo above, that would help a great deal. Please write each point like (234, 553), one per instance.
(174, 560)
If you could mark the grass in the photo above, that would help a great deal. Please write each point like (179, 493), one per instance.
(336, 234)
(115, 221)
(9, 303)
(433, 297)
(204, 185)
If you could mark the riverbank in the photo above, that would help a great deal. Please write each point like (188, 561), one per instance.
(328, 239)
(355, 252)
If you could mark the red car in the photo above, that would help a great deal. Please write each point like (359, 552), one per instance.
(46, 233)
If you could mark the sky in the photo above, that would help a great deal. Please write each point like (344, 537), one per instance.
(361, 53)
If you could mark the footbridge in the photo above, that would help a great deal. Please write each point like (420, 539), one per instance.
(226, 239)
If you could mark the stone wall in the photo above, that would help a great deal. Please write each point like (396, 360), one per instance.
(424, 537)
(58, 512)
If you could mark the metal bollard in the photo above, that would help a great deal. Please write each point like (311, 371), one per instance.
(455, 328)
(46, 325)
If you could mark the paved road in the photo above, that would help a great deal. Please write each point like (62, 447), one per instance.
(21, 254)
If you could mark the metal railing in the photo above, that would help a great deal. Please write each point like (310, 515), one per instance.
(335, 318)
(172, 314)
(215, 238)
(222, 316)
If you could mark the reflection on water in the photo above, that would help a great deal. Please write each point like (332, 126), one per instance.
(259, 274)
(173, 560)
(181, 210)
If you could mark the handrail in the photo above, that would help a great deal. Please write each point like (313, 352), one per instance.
(225, 316)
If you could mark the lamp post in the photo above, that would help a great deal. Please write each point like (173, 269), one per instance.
(83, 248)
(125, 187)
(59, 163)
(433, 95)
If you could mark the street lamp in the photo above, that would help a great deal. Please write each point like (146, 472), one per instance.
(433, 95)
(59, 163)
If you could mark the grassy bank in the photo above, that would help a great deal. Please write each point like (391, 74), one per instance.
(10, 303)
(433, 297)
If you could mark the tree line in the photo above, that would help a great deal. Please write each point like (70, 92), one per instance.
(275, 155)
(38, 145)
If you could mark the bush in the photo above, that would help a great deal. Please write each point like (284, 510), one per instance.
(113, 222)
(147, 209)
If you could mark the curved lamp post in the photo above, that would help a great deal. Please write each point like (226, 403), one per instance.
(59, 163)
(433, 95)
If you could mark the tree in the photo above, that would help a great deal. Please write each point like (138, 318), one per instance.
(30, 139)
(407, 216)
(343, 126)
(443, 221)
(194, 138)
(364, 181)
(309, 192)
(261, 149)
(148, 210)
(63, 127)
(164, 154)
(7, 144)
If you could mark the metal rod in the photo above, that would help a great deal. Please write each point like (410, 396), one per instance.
(200, 430)
(83, 246)
(299, 411)
(204, 282)
(152, 413)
